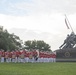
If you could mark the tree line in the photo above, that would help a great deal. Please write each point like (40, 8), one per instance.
(11, 42)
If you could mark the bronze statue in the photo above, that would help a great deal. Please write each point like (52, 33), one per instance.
(69, 42)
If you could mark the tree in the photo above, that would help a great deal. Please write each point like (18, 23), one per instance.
(28, 45)
(9, 41)
(41, 45)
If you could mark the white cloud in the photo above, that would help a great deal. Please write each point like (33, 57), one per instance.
(47, 6)
(50, 23)
(38, 7)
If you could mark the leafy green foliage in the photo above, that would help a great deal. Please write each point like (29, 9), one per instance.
(41, 45)
(9, 41)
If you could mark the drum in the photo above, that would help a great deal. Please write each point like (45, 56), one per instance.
(13, 56)
(22, 56)
(6, 56)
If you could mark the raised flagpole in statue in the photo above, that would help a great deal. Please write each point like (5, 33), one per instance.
(68, 23)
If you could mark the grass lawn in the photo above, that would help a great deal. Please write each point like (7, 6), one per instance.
(38, 68)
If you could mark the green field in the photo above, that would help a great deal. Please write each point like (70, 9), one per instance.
(37, 68)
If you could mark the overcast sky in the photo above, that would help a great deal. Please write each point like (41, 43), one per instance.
(38, 19)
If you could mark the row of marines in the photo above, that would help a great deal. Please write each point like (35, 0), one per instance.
(26, 56)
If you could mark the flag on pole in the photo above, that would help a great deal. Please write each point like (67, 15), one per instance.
(66, 23)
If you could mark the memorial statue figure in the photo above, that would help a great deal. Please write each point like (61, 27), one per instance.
(69, 42)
